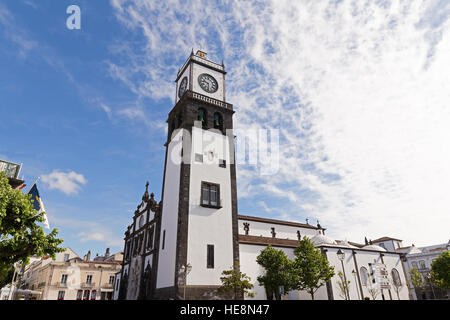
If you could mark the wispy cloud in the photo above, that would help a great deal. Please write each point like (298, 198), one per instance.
(91, 231)
(106, 237)
(12, 31)
(69, 183)
(358, 89)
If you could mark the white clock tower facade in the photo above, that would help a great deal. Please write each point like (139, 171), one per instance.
(199, 223)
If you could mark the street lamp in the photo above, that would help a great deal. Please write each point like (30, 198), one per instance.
(184, 271)
(341, 256)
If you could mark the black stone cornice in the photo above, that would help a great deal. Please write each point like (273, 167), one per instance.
(197, 97)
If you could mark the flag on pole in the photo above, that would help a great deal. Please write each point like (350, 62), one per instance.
(38, 204)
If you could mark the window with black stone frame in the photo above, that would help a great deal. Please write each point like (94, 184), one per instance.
(210, 194)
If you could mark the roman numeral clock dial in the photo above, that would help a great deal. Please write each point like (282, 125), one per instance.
(208, 83)
(183, 87)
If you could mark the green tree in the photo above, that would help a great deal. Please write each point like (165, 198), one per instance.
(20, 234)
(277, 268)
(311, 270)
(6, 275)
(440, 271)
(343, 286)
(235, 282)
(416, 280)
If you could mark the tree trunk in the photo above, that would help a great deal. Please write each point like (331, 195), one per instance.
(312, 295)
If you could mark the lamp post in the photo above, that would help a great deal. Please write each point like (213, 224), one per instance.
(341, 256)
(184, 271)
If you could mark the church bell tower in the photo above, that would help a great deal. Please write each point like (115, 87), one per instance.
(199, 225)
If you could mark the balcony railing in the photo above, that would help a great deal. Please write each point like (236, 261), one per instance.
(88, 284)
(216, 102)
(201, 97)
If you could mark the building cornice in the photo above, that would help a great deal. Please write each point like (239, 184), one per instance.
(279, 222)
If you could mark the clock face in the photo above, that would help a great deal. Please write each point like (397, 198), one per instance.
(183, 87)
(208, 83)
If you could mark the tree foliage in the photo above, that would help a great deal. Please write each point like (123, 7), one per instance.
(343, 285)
(278, 274)
(20, 234)
(440, 270)
(416, 279)
(235, 282)
(311, 270)
(6, 275)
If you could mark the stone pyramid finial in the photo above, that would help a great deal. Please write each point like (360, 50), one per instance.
(145, 197)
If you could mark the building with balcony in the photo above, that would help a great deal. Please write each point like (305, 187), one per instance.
(421, 258)
(12, 171)
(69, 277)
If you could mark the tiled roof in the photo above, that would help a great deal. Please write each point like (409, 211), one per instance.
(359, 245)
(267, 240)
(385, 239)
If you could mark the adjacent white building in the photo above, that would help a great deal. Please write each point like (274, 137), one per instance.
(256, 233)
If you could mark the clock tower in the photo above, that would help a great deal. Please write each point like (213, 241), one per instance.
(199, 223)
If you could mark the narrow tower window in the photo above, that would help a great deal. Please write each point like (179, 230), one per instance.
(210, 256)
(218, 121)
(201, 116)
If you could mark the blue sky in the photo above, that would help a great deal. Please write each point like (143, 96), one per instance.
(358, 90)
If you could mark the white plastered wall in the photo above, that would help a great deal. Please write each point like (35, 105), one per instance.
(169, 216)
(209, 225)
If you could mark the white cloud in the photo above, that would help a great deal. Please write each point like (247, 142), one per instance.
(104, 236)
(360, 91)
(13, 31)
(69, 183)
(92, 231)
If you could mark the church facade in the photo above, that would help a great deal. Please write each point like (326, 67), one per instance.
(179, 247)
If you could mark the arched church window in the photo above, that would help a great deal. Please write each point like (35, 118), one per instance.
(201, 116)
(218, 121)
(364, 276)
(396, 277)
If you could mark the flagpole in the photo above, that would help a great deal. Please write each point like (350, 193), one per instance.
(33, 184)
